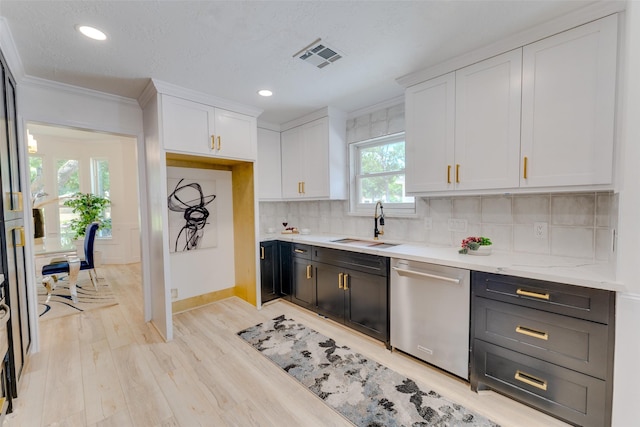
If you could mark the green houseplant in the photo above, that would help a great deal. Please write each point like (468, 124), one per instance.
(90, 208)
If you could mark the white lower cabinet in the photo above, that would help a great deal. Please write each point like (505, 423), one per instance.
(195, 128)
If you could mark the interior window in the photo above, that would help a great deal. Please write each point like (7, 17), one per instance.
(68, 184)
(378, 175)
(101, 186)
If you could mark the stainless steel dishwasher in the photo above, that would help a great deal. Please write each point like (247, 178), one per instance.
(429, 306)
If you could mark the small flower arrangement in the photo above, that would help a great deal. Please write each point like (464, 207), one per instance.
(473, 243)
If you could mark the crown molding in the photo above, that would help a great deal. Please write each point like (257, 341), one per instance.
(37, 82)
(376, 107)
(158, 86)
(596, 10)
(268, 126)
(10, 52)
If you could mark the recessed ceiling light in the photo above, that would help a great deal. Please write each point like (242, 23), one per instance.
(265, 92)
(91, 32)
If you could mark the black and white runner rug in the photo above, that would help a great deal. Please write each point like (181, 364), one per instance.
(362, 390)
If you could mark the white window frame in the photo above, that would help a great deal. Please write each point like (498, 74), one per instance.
(403, 209)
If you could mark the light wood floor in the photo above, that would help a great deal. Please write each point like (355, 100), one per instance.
(109, 368)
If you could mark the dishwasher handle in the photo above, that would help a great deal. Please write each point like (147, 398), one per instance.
(405, 272)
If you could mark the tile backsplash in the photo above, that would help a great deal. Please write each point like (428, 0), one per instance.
(569, 224)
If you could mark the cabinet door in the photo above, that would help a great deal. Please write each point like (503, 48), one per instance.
(430, 121)
(487, 138)
(303, 284)
(235, 135)
(11, 183)
(292, 158)
(185, 126)
(330, 291)
(315, 159)
(367, 304)
(568, 100)
(284, 249)
(269, 161)
(269, 270)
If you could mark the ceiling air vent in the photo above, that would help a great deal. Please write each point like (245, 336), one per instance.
(318, 54)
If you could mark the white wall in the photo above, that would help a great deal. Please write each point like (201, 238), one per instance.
(124, 245)
(627, 377)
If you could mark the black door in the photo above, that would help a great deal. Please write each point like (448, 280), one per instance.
(366, 304)
(303, 283)
(330, 291)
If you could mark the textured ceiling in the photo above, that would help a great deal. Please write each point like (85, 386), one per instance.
(231, 49)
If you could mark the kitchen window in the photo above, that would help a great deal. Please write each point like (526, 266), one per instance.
(377, 174)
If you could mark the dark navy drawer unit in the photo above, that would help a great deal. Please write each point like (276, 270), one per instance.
(548, 345)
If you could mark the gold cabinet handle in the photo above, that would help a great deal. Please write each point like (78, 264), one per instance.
(261, 252)
(448, 174)
(14, 199)
(213, 142)
(457, 173)
(309, 271)
(299, 187)
(538, 295)
(299, 251)
(340, 280)
(524, 167)
(531, 380)
(302, 187)
(22, 242)
(219, 143)
(345, 282)
(532, 333)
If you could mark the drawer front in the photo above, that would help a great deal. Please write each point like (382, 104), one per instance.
(365, 263)
(564, 393)
(573, 343)
(584, 303)
(301, 251)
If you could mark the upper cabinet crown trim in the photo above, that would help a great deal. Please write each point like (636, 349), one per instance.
(157, 86)
(585, 15)
(318, 114)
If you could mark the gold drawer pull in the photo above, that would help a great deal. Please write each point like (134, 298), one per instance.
(309, 271)
(457, 173)
(299, 251)
(340, 280)
(261, 252)
(346, 282)
(448, 174)
(531, 380)
(213, 142)
(219, 143)
(525, 163)
(539, 295)
(532, 333)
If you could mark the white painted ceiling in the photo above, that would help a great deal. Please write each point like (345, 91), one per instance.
(231, 49)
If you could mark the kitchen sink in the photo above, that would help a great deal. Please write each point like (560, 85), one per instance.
(365, 243)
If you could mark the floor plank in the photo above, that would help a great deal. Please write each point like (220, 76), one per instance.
(107, 367)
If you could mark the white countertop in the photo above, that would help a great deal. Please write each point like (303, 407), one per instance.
(573, 271)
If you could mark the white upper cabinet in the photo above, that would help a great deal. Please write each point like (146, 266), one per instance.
(430, 127)
(568, 101)
(195, 128)
(540, 116)
(314, 159)
(269, 165)
(487, 137)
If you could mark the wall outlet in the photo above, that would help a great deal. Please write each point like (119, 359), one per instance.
(457, 224)
(428, 223)
(174, 293)
(540, 230)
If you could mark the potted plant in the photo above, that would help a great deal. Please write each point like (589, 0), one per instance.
(476, 246)
(90, 208)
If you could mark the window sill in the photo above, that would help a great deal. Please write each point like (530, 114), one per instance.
(387, 214)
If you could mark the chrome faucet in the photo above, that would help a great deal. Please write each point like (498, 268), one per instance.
(378, 232)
